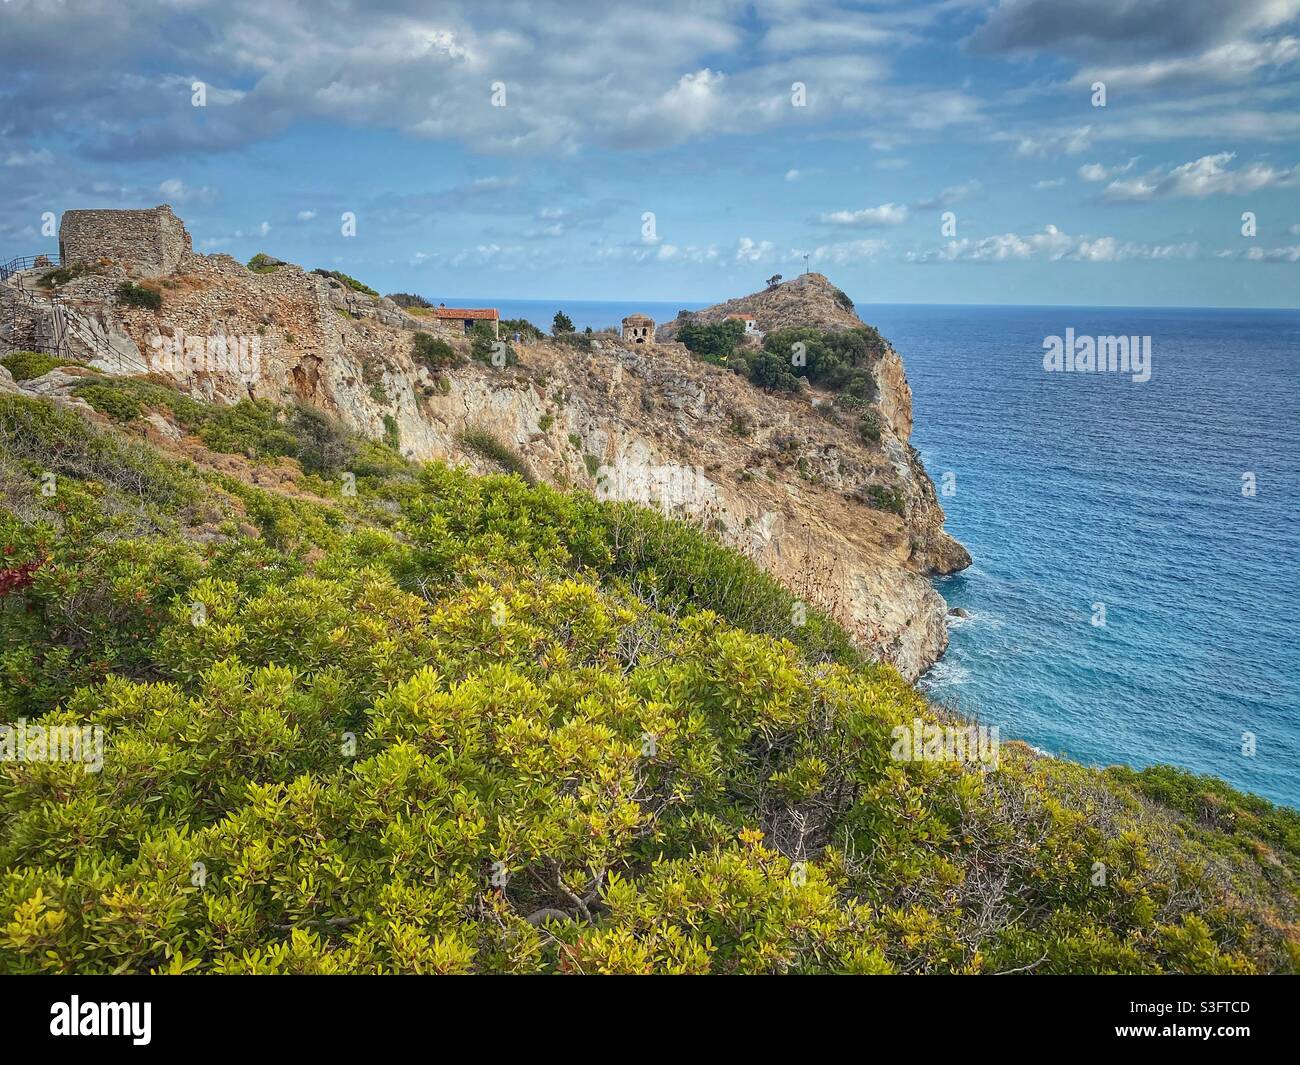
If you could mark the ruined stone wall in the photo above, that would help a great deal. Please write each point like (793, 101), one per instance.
(152, 241)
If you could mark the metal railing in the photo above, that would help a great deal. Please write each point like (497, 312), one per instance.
(54, 339)
(24, 263)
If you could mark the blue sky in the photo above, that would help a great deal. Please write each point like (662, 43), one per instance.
(689, 112)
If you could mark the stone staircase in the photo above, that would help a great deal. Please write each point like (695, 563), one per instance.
(33, 318)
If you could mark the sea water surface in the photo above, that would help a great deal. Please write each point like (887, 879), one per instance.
(1082, 493)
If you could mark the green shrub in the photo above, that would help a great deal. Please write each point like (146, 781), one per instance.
(869, 427)
(350, 282)
(392, 436)
(408, 300)
(261, 263)
(61, 275)
(434, 353)
(839, 359)
(714, 342)
(490, 447)
(26, 365)
(485, 346)
(885, 498)
(523, 327)
(508, 729)
(577, 341)
(133, 295)
(125, 399)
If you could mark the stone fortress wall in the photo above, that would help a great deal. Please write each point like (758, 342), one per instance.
(153, 241)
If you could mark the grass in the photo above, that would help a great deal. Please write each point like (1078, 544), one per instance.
(26, 365)
(488, 446)
(132, 295)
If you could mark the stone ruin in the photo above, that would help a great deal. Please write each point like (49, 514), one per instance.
(152, 242)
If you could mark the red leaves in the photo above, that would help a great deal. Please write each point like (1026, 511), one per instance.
(17, 578)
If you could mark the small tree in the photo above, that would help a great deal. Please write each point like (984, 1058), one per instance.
(562, 324)
(773, 281)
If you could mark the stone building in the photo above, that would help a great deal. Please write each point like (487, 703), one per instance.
(750, 324)
(639, 329)
(153, 241)
(467, 316)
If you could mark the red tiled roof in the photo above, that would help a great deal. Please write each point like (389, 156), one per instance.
(466, 312)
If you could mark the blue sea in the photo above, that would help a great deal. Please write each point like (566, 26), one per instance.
(1090, 498)
(1079, 492)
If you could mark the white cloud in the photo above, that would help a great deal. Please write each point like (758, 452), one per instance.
(793, 175)
(951, 196)
(306, 216)
(1274, 255)
(753, 251)
(1097, 172)
(1050, 143)
(1236, 61)
(30, 157)
(1209, 175)
(176, 191)
(1049, 183)
(845, 252)
(1052, 245)
(693, 106)
(887, 214)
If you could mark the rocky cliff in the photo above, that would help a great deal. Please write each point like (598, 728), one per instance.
(785, 478)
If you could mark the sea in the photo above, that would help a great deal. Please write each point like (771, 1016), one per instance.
(1135, 591)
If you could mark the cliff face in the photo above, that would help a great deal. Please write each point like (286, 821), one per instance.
(781, 477)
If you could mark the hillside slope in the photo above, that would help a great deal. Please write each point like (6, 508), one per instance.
(785, 478)
(366, 716)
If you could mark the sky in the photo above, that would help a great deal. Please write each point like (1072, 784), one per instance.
(1100, 152)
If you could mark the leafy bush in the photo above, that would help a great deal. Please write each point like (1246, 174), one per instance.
(523, 327)
(714, 342)
(484, 346)
(869, 427)
(133, 295)
(350, 282)
(392, 435)
(577, 341)
(522, 731)
(490, 447)
(561, 324)
(261, 263)
(434, 353)
(258, 429)
(838, 359)
(885, 498)
(771, 371)
(409, 300)
(61, 275)
(26, 365)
